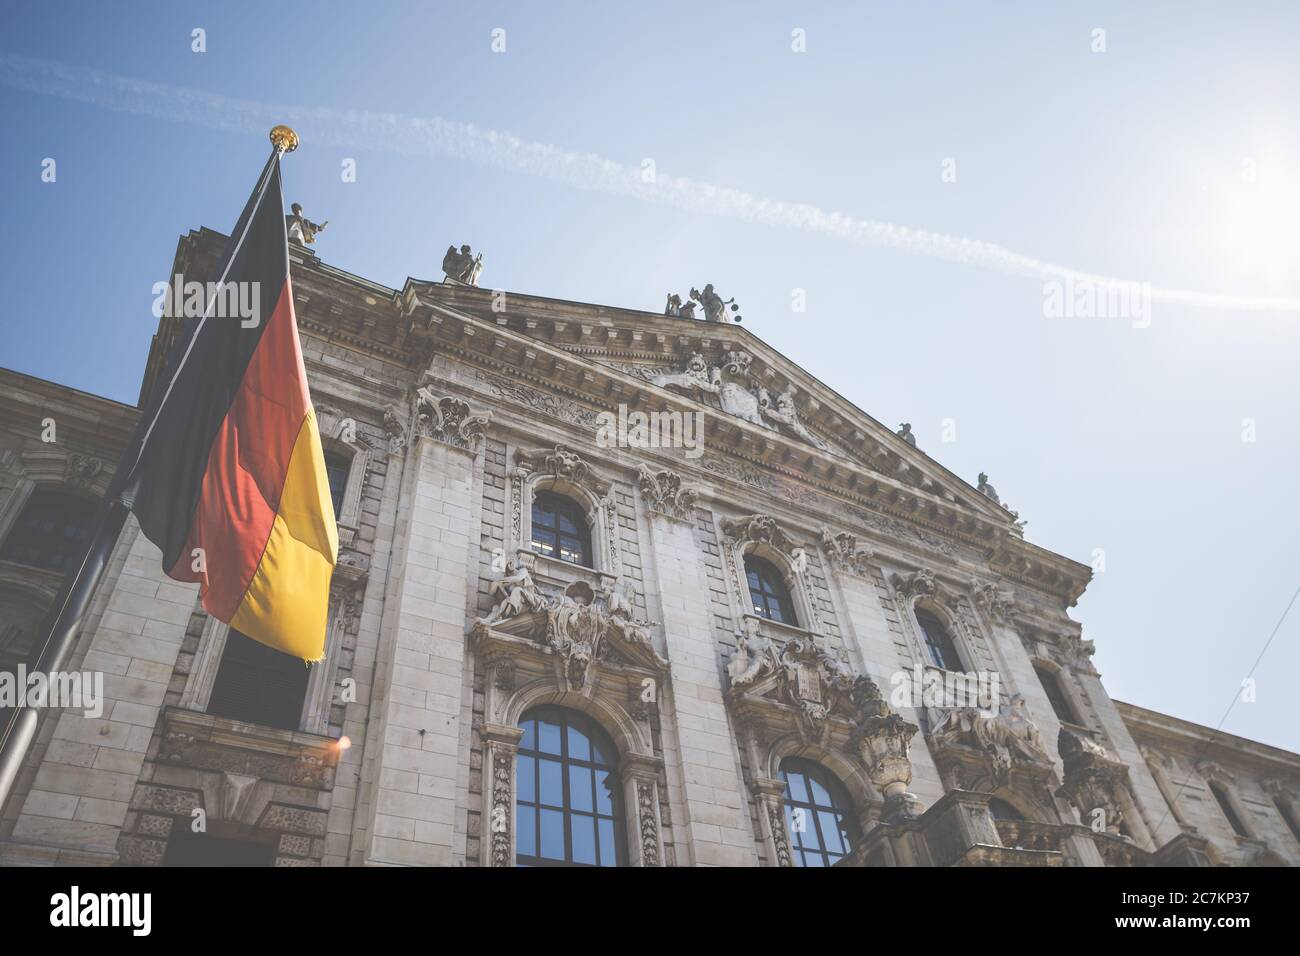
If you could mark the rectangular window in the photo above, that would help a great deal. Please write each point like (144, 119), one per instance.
(258, 684)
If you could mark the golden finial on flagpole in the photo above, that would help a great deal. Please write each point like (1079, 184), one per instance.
(284, 139)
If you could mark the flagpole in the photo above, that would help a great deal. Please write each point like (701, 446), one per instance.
(66, 614)
(61, 626)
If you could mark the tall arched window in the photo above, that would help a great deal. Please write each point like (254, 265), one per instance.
(560, 529)
(1225, 804)
(938, 644)
(818, 814)
(1055, 695)
(337, 469)
(767, 591)
(52, 532)
(568, 809)
(1288, 816)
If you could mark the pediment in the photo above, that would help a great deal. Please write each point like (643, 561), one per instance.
(724, 369)
(577, 361)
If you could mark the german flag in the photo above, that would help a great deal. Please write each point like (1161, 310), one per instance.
(229, 476)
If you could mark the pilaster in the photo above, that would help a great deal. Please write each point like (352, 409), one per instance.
(716, 809)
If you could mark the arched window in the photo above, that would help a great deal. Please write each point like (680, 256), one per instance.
(337, 469)
(1055, 696)
(1288, 816)
(1001, 810)
(568, 809)
(52, 532)
(818, 814)
(1229, 811)
(560, 529)
(767, 591)
(938, 644)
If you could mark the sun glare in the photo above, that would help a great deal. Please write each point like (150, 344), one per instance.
(1257, 228)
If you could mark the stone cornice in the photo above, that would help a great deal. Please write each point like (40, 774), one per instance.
(513, 355)
(103, 420)
(595, 332)
(1189, 739)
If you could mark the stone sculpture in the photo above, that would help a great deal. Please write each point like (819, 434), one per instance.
(301, 229)
(463, 266)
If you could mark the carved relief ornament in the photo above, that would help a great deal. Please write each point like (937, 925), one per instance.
(844, 553)
(664, 493)
(447, 419)
(834, 708)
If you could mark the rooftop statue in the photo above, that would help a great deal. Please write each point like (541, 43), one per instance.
(301, 229)
(988, 490)
(463, 266)
(676, 309)
(715, 309)
(905, 432)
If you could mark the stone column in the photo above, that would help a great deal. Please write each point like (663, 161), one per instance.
(717, 817)
(863, 622)
(771, 797)
(497, 836)
(645, 845)
(417, 708)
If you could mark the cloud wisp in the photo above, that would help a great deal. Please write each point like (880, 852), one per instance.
(434, 136)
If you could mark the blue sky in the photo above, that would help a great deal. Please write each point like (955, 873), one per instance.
(1171, 158)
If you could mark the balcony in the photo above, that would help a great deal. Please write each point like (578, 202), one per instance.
(1028, 835)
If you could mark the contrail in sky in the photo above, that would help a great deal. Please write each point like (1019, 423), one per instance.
(433, 136)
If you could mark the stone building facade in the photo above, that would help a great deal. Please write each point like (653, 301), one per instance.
(552, 638)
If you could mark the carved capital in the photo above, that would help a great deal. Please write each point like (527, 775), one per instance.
(664, 493)
(993, 601)
(845, 555)
(447, 419)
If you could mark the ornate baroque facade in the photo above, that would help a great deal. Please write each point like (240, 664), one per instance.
(718, 633)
